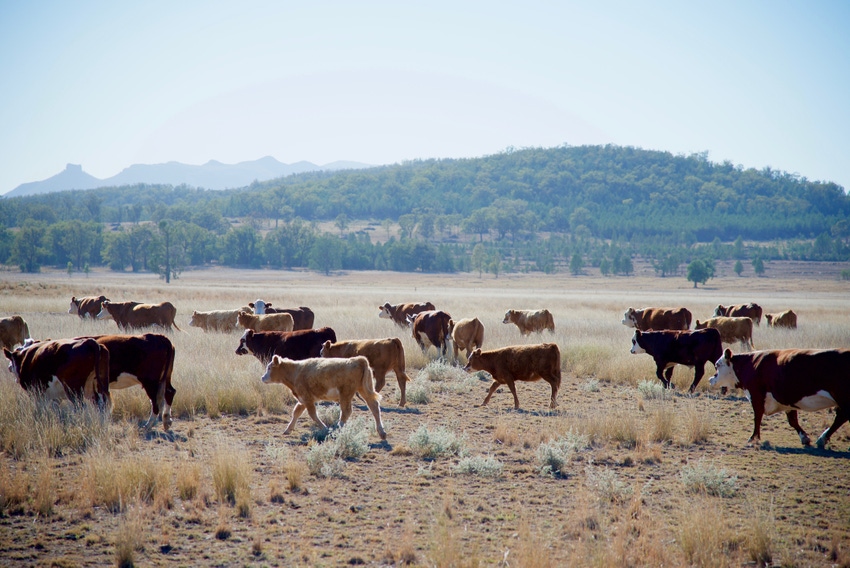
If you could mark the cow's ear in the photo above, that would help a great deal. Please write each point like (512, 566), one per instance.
(251, 305)
(7, 353)
(637, 333)
(476, 352)
(727, 354)
(268, 304)
(73, 298)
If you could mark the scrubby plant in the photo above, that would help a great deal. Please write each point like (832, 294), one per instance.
(419, 390)
(703, 477)
(351, 441)
(481, 466)
(607, 484)
(431, 444)
(444, 377)
(554, 456)
(653, 390)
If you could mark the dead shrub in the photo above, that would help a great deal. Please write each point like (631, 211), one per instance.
(231, 474)
(188, 481)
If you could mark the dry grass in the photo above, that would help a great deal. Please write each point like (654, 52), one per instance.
(629, 508)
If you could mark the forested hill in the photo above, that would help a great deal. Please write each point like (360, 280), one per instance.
(613, 191)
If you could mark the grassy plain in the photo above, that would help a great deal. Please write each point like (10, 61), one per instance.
(621, 474)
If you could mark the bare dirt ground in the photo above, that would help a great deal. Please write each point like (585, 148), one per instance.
(621, 501)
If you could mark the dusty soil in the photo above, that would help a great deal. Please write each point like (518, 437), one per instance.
(391, 507)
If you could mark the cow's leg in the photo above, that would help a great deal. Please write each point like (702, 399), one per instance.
(296, 412)
(376, 412)
(841, 416)
(380, 378)
(345, 408)
(511, 385)
(757, 399)
(795, 424)
(699, 371)
(402, 379)
(663, 374)
(554, 384)
(311, 410)
(493, 388)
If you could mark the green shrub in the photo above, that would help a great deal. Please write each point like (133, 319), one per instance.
(555, 455)
(607, 484)
(431, 444)
(653, 390)
(480, 465)
(705, 478)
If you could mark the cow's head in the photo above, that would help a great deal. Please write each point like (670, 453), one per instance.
(725, 376)
(104, 312)
(275, 370)
(719, 311)
(385, 311)
(259, 306)
(769, 319)
(451, 327)
(75, 306)
(509, 316)
(243, 342)
(700, 325)
(14, 358)
(637, 348)
(474, 361)
(193, 321)
(630, 318)
(326, 349)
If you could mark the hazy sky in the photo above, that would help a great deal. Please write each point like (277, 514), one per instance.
(110, 84)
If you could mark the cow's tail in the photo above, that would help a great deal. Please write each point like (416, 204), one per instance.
(367, 383)
(400, 370)
(165, 393)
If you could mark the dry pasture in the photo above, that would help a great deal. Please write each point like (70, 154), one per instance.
(621, 474)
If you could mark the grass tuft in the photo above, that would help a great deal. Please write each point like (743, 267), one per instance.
(554, 456)
(703, 477)
(480, 466)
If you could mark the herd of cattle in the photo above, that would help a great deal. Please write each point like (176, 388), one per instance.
(315, 366)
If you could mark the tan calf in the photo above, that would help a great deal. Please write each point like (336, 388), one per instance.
(467, 334)
(731, 329)
(383, 355)
(216, 320)
(783, 319)
(530, 320)
(13, 331)
(266, 322)
(519, 363)
(336, 380)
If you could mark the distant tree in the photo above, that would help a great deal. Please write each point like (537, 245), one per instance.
(479, 258)
(495, 265)
(28, 248)
(758, 266)
(168, 257)
(326, 254)
(739, 268)
(387, 224)
(698, 272)
(406, 224)
(70, 268)
(605, 267)
(738, 248)
(341, 223)
(478, 223)
(576, 264)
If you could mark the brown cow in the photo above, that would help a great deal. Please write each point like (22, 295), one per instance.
(13, 331)
(216, 320)
(400, 312)
(530, 320)
(790, 380)
(467, 334)
(751, 310)
(519, 363)
(657, 319)
(72, 368)
(669, 348)
(86, 306)
(296, 345)
(129, 315)
(731, 329)
(336, 380)
(302, 317)
(431, 328)
(266, 322)
(783, 319)
(383, 355)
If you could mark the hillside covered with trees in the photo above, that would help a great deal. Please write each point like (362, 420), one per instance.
(562, 208)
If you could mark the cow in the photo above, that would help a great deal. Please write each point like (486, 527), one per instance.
(466, 334)
(790, 380)
(303, 317)
(336, 380)
(146, 360)
(519, 363)
(259, 307)
(669, 348)
(431, 327)
(657, 319)
(731, 329)
(13, 331)
(383, 355)
(783, 319)
(530, 320)
(72, 368)
(751, 310)
(87, 306)
(400, 312)
(296, 345)
(130, 315)
(216, 320)
(266, 322)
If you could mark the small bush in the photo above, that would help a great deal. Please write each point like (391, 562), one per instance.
(188, 481)
(327, 459)
(653, 390)
(661, 425)
(607, 484)
(590, 385)
(431, 444)
(323, 461)
(705, 478)
(555, 455)
(419, 390)
(448, 378)
(698, 426)
(480, 465)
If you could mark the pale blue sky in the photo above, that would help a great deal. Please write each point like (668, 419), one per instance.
(110, 84)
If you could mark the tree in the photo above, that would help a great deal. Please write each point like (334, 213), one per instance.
(495, 265)
(605, 267)
(168, 258)
(739, 268)
(28, 248)
(698, 272)
(479, 258)
(326, 254)
(576, 264)
(341, 223)
(758, 266)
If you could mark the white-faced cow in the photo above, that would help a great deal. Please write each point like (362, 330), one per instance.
(530, 320)
(336, 380)
(751, 310)
(431, 328)
(400, 312)
(383, 355)
(467, 334)
(671, 348)
(66, 368)
(731, 329)
(519, 363)
(790, 380)
(296, 345)
(657, 319)
(87, 306)
(132, 315)
(783, 319)
(13, 331)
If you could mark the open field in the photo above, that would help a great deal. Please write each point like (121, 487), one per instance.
(619, 475)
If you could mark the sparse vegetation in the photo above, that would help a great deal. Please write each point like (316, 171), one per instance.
(703, 477)
(483, 466)
(440, 442)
